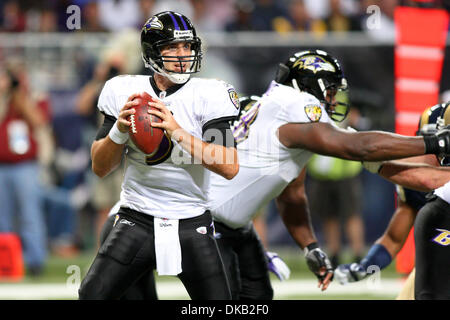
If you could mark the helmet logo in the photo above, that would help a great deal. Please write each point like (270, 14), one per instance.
(313, 63)
(153, 24)
(313, 112)
(183, 34)
(234, 97)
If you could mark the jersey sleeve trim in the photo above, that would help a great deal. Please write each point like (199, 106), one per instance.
(218, 131)
(213, 122)
(108, 123)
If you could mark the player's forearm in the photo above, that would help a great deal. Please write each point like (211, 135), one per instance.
(391, 246)
(217, 158)
(325, 139)
(398, 229)
(221, 160)
(375, 146)
(372, 146)
(415, 176)
(106, 156)
(296, 217)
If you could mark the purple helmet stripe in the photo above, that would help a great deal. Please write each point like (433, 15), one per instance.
(177, 27)
(184, 22)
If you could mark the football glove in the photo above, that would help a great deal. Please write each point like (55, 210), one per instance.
(350, 272)
(277, 266)
(318, 261)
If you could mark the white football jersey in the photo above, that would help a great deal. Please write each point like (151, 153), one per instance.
(168, 183)
(266, 165)
(444, 192)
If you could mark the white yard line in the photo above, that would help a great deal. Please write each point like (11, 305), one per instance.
(175, 290)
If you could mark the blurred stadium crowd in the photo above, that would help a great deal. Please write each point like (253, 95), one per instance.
(208, 15)
(53, 87)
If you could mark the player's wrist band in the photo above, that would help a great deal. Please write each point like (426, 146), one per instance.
(431, 144)
(311, 247)
(117, 136)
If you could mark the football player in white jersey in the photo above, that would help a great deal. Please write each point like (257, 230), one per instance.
(275, 140)
(164, 222)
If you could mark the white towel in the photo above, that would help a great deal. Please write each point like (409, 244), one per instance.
(167, 247)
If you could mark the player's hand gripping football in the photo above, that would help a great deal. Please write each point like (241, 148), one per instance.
(168, 122)
(122, 123)
(319, 263)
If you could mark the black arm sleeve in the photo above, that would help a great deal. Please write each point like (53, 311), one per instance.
(218, 131)
(106, 126)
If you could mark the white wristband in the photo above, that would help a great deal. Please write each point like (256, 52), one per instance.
(117, 136)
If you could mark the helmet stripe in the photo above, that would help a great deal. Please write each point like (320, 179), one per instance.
(177, 27)
(184, 22)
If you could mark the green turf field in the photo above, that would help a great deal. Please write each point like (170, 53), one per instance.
(61, 279)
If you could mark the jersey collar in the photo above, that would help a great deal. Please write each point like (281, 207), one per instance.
(169, 91)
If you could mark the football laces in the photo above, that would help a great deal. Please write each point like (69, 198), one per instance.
(133, 124)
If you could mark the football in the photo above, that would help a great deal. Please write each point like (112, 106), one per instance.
(143, 135)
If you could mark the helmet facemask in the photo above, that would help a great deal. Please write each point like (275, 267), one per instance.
(331, 94)
(443, 122)
(334, 95)
(188, 64)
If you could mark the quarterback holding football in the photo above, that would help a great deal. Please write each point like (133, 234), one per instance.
(164, 222)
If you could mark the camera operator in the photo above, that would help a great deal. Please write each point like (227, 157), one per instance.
(21, 117)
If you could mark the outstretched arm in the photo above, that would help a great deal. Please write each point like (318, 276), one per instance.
(323, 138)
(417, 176)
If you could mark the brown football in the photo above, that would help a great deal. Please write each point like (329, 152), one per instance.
(143, 135)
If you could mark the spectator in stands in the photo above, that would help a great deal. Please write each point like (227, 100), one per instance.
(299, 16)
(48, 20)
(116, 15)
(13, 19)
(146, 8)
(180, 6)
(205, 15)
(340, 21)
(21, 117)
(270, 15)
(91, 17)
(241, 19)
